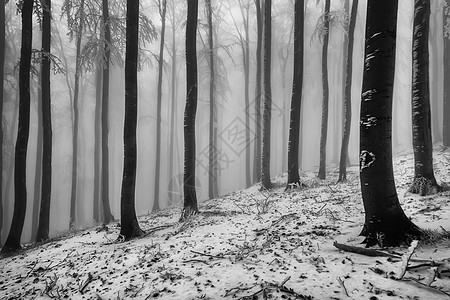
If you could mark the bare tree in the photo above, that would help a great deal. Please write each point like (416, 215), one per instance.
(446, 110)
(2, 68)
(258, 89)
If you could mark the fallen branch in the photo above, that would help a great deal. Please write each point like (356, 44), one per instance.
(420, 284)
(86, 283)
(363, 251)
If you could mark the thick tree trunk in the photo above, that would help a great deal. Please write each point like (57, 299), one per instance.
(38, 163)
(20, 185)
(129, 224)
(162, 12)
(424, 181)
(190, 197)
(246, 55)
(297, 88)
(446, 110)
(46, 189)
(265, 168)
(212, 163)
(385, 222)
(258, 127)
(2, 67)
(76, 118)
(325, 93)
(107, 216)
(348, 95)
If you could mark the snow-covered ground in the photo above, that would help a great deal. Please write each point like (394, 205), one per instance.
(245, 245)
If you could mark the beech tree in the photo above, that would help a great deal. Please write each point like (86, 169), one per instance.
(347, 105)
(46, 178)
(424, 182)
(325, 91)
(2, 68)
(190, 206)
(129, 225)
(258, 127)
(297, 88)
(385, 222)
(162, 7)
(265, 164)
(20, 160)
(446, 110)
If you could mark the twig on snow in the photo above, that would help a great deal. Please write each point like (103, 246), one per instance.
(341, 282)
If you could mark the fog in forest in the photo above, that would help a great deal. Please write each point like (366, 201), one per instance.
(231, 142)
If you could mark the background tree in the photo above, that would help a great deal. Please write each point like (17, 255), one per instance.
(258, 127)
(46, 181)
(446, 110)
(265, 165)
(190, 197)
(212, 159)
(424, 182)
(347, 105)
(20, 185)
(296, 101)
(107, 216)
(385, 222)
(2, 68)
(129, 224)
(162, 8)
(325, 31)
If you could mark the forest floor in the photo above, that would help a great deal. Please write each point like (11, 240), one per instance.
(247, 245)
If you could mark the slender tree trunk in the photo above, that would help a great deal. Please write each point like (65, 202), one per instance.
(174, 109)
(38, 164)
(212, 180)
(325, 93)
(97, 142)
(107, 216)
(434, 101)
(76, 118)
(296, 101)
(446, 110)
(424, 181)
(162, 12)
(2, 67)
(246, 55)
(348, 96)
(258, 88)
(46, 189)
(20, 185)
(190, 197)
(385, 222)
(129, 225)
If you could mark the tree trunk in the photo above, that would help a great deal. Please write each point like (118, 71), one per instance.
(446, 110)
(2, 67)
(434, 101)
(76, 118)
(246, 55)
(38, 162)
(385, 222)
(107, 216)
(162, 13)
(97, 142)
(265, 165)
(46, 189)
(20, 185)
(190, 197)
(212, 164)
(296, 101)
(129, 224)
(348, 95)
(424, 181)
(173, 112)
(258, 127)
(325, 93)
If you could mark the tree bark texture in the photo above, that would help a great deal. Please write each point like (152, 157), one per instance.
(446, 110)
(129, 224)
(20, 159)
(297, 88)
(325, 93)
(258, 89)
(347, 105)
(267, 116)
(46, 181)
(190, 197)
(424, 181)
(385, 222)
(2, 67)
